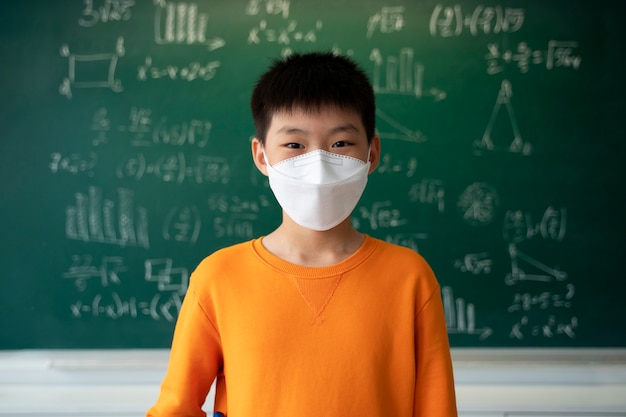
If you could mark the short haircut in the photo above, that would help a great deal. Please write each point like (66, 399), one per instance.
(309, 82)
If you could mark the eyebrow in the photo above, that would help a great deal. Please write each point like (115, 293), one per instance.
(290, 129)
(348, 127)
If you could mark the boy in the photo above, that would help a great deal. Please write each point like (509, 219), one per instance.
(314, 319)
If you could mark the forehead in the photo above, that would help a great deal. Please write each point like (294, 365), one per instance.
(328, 116)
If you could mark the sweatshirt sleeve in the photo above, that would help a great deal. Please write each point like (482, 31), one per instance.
(434, 388)
(195, 359)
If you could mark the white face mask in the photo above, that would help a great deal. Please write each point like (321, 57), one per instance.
(318, 189)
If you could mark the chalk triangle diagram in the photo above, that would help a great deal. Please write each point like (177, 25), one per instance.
(527, 268)
(517, 144)
(394, 130)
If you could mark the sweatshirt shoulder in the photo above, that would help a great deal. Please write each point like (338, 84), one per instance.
(402, 254)
(229, 255)
(408, 263)
(223, 261)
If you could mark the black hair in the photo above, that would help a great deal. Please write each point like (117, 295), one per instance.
(308, 82)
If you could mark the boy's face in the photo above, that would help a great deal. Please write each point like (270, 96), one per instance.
(331, 129)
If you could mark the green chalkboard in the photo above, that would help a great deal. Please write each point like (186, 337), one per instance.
(125, 158)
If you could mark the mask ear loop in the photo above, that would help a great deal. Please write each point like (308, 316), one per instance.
(265, 155)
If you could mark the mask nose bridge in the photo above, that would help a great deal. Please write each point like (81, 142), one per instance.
(317, 156)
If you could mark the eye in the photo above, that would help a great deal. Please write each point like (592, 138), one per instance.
(341, 144)
(293, 145)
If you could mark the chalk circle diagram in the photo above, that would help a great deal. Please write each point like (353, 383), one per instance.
(478, 204)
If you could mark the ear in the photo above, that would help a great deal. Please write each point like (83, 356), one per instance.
(374, 153)
(258, 156)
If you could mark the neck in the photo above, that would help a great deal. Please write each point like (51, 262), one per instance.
(306, 247)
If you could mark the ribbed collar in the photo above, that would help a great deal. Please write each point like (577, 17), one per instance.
(281, 266)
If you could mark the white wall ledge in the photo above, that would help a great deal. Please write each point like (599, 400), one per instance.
(489, 382)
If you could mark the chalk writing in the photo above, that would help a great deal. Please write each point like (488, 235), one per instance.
(519, 226)
(388, 20)
(224, 203)
(93, 218)
(448, 21)
(408, 240)
(182, 23)
(101, 125)
(478, 204)
(382, 215)
(182, 224)
(475, 263)
(140, 125)
(176, 168)
(235, 217)
(548, 329)
(515, 145)
(388, 165)
(239, 226)
(109, 11)
(109, 271)
(429, 191)
(113, 306)
(558, 55)
(461, 316)
(283, 35)
(193, 132)
(192, 71)
(145, 132)
(401, 76)
(73, 163)
(272, 7)
(543, 300)
(92, 70)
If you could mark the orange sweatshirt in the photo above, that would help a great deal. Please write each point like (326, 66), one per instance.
(364, 337)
